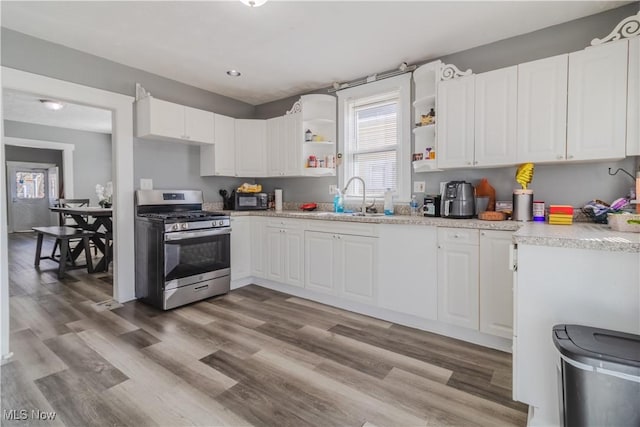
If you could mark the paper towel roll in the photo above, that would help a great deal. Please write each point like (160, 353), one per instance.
(278, 192)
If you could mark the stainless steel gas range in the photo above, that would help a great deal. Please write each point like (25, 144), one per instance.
(182, 252)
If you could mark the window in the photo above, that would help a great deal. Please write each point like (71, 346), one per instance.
(29, 185)
(374, 138)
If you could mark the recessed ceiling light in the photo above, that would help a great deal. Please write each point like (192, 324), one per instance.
(234, 73)
(52, 105)
(254, 3)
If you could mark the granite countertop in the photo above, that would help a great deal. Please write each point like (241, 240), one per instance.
(387, 219)
(578, 236)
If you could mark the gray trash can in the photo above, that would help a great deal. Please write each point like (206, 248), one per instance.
(600, 372)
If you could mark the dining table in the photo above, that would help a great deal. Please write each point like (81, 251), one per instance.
(101, 225)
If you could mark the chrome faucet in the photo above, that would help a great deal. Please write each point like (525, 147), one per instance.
(344, 191)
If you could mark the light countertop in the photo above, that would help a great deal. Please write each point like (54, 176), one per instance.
(578, 235)
(388, 219)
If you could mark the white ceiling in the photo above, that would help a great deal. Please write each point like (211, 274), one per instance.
(26, 107)
(284, 47)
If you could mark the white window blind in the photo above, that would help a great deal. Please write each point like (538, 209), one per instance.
(375, 138)
(372, 146)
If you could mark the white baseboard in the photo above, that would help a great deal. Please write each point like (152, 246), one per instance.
(434, 326)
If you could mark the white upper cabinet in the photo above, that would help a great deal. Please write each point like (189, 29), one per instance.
(454, 121)
(542, 110)
(219, 159)
(157, 119)
(495, 117)
(292, 146)
(275, 146)
(596, 120)
(251, 146)
(633, 99)
(199, 125)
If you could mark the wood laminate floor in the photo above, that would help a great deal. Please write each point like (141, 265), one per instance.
(251, 357)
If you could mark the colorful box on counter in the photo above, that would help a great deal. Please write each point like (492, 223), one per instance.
(561, 209)
(560, 214)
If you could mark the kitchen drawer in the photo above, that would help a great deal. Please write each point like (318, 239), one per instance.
(344, 227)
(286, 223)
(458, 236)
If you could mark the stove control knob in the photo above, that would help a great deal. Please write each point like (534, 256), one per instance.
(220, 223)
(185, 226)
(175, 227)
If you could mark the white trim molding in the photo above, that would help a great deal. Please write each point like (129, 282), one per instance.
(450, 71)
(121, 107)
(627, 28)
(296, 108)
(67, 157)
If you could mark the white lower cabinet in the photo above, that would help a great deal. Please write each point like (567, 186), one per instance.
(258, 247)
(496, 284)
(285, 252)
(240, 248)
(458, 264)
(319, 266)
(475, 285)
(407, 270)
(341, 264)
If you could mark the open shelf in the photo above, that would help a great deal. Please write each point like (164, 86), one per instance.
(425, 166)
(312, 143)
(426, 100)
(423, 128)
(319, 171)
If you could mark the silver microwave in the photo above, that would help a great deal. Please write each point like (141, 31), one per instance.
(251, 201)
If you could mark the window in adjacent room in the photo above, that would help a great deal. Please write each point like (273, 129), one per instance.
(374, 138)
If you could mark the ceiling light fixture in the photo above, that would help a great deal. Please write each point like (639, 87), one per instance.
(234, 73)
(52, 105)
(254, 3)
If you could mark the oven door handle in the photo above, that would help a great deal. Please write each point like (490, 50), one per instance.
(184, 235)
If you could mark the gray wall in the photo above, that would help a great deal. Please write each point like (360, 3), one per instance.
(91, 156)
(567, 183)
(34, 155)
(173, 167)
(170, 165)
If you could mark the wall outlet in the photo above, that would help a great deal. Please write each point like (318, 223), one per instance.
(333, 189)
(419, 186)
(146, 184)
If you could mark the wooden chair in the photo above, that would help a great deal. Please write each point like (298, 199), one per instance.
(63, 236)
(66, 220)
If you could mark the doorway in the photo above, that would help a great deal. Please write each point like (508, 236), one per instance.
(32, 189)
(122, 120)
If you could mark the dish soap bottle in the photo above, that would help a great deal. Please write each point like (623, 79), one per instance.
(413, 204)
(338, 202)
(388, 202)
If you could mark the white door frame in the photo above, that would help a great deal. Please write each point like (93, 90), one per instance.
(121, 107)
(67, 157)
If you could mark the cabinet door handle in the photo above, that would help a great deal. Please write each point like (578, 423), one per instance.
(559, 157)
(468, 163)
(483, 233)
(570, 157)
(475, 163)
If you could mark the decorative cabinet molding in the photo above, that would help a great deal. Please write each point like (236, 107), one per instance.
(627, 28)
(158, 119)
(450, 71)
